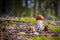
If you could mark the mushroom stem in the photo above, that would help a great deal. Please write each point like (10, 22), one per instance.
(40, 24)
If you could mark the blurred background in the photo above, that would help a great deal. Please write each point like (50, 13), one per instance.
(50, 9)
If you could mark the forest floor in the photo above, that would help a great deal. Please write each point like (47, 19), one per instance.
(23, 31)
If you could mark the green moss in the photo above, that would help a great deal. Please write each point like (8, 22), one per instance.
(31, 19)
(11, 22)
(40, 38)
(46, 38)
(56, 37)
(52, 27)
(55, 28)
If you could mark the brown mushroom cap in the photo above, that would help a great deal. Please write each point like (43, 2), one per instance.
(39, 17)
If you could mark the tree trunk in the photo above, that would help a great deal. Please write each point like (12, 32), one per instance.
(0, 7)
(56, 10)
(3, 6)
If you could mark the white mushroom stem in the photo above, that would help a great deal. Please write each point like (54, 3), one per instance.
(40, 24)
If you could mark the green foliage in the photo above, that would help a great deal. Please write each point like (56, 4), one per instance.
(31, 19)
(11, 22)
(53, 28)
(56, 37)
(50, 16)
(40, 38)
(46, 38)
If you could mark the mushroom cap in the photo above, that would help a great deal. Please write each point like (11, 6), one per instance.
(39, 17)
